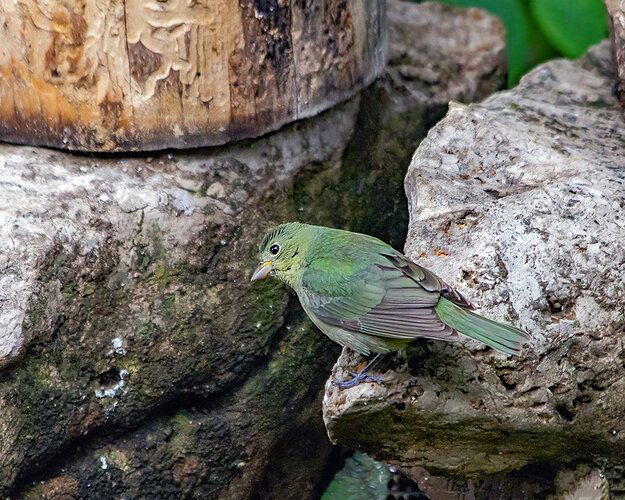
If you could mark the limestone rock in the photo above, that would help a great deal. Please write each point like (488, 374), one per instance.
(126, 75)
(518, 202)
(125, 289)
(582, 482)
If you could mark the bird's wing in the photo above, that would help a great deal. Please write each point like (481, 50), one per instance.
(389, 296)
(427, 279)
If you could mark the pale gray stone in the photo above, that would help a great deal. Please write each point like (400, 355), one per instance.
(519, 202)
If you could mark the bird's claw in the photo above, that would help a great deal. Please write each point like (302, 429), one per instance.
(357, 378)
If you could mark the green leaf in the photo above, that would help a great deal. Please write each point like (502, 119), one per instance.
(571, 25)
(527, 46)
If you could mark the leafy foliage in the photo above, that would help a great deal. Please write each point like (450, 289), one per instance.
(541, 29)
(570, 25)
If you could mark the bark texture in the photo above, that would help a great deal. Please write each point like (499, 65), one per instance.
(519, 203)
(126, 75)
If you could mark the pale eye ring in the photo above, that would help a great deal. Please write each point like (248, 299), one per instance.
(274, 249)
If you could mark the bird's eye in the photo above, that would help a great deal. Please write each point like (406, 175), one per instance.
(274, 249)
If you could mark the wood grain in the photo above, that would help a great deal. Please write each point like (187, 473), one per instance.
(123, 75)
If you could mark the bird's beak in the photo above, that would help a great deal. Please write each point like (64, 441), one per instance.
(262, 271)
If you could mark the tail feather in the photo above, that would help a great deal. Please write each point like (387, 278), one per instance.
(500, 336)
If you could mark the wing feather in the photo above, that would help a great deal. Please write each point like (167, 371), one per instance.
(391, 297)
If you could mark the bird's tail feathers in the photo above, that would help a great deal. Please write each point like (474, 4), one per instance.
(499, 336)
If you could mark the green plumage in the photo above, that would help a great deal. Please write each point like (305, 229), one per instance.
(365, 295)
(497, 335)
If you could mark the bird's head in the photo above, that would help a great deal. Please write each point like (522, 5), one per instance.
(282, 251)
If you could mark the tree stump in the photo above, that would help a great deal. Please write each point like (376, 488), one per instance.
(126, 75)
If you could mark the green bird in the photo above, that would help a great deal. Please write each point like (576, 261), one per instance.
(367, 296)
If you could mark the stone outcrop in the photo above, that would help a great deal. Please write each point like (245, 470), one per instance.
(518, 202)
(136, 359)
(125, 291)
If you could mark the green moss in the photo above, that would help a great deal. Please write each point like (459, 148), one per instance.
(146, 328)
(130, 363)
(299, 364)
(35, 313)
(184, 428)
(262, 311)
(367, 192)
(116, 458)
(159, 252)
(154, 253)
(69, 290)
(38, 389)
(168, 304)
(143, 258)
(87, 289)
(163, 276)
(52, 270)
(30, 375)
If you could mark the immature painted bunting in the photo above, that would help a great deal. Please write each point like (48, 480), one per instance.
(367, 296)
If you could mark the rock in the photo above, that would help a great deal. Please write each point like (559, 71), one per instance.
(130, 305)
(537, 481)
(137, 360)
(128, 75)
(518, 202)
(583, 482)
(439, 53)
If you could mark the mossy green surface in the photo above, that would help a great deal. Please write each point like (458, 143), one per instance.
(367, 192)
(198, 339)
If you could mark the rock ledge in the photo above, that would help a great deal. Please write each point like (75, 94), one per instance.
(519, 202)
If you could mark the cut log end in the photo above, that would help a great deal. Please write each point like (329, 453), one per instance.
(134, 76)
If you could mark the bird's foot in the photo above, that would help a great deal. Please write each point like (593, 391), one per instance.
(357, 378)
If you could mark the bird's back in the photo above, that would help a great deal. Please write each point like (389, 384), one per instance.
(343, 252)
